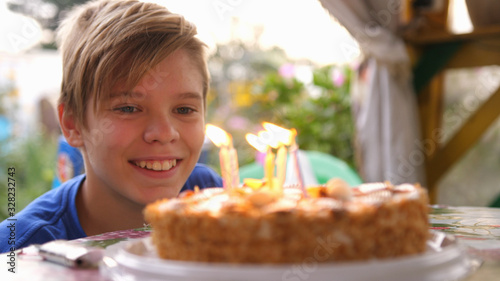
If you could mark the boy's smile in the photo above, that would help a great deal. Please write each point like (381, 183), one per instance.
(156, 165)
(156, 169)
(143, 143)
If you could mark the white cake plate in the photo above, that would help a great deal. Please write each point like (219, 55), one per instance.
(444, 260)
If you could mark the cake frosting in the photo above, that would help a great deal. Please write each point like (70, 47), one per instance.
(328, 223)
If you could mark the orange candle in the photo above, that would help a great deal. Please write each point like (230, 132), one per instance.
(233, 166)
(281, 165)
(225, 169)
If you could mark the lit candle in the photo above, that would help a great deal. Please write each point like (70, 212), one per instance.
(227, 155)
(270, 141)
(281, 137)
(260, 143)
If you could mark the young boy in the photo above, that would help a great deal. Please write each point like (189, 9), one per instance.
(133, 98)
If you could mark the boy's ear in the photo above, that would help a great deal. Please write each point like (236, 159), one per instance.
(71, 130)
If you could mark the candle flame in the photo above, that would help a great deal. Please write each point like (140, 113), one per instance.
(256, 142)
(279, 134)
(217, 135)
(268, 138)
(273, 136)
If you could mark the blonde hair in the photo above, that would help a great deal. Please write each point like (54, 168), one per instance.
(106, 41)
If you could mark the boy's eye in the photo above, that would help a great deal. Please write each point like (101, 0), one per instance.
(184, 110)
(126, 109)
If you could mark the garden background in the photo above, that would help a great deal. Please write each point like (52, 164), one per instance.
(252, 81)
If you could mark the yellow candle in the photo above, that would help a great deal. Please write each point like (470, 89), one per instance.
(269, 167)
(281, 137)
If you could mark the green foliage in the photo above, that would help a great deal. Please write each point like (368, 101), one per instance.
(34, 160)
(320, 110)
(323, 122)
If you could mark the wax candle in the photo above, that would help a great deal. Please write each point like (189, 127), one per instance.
(281, 137)
(281, 158)
(294, 150)
(269, 167)
(278, 138)
(259, 142)
(225, 168)
(228, 157)
(233, 166)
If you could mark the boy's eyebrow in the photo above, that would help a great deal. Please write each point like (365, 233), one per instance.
(126, 94)
(190, 95)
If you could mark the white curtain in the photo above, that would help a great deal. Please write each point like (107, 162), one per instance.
(384, 102)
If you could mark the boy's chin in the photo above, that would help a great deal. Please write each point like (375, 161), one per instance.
(153, 198)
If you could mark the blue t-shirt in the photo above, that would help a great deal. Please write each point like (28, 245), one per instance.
(54, 216)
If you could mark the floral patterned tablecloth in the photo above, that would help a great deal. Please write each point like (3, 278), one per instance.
(475, 227)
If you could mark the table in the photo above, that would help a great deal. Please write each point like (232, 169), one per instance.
(477, 228)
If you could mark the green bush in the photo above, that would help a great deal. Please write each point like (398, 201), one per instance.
(34, 160)
(323, 122)
(251, 85)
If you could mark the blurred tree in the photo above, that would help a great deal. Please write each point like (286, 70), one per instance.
(320, 111)
(252, 85)
(32, 156)
(235, 69)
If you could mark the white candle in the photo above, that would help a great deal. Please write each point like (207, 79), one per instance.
(294, 149)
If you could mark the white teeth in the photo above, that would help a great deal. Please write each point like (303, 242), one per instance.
(157, 165)
(166, 165)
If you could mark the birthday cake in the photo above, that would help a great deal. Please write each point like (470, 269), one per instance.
(326, 223)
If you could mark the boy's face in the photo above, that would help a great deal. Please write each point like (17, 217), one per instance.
(143, 143)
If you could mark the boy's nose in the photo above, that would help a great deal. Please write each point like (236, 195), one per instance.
(160, 130)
